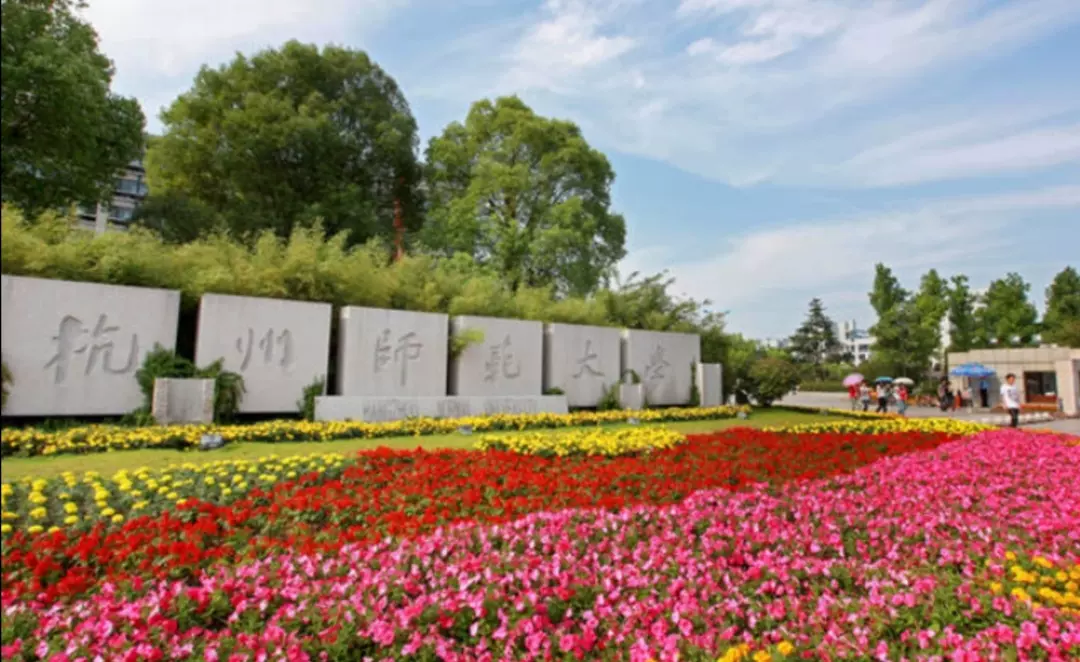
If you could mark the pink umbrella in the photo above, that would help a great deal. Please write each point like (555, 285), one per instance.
(854, 379)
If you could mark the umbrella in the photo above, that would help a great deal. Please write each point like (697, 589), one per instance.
(882, 380)
(972, 370)
(854, 379)
(906, 381)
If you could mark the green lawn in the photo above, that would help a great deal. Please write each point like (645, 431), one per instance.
(108, 463)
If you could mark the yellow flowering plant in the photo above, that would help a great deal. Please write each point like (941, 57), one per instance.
(598, 441)
(100, 438)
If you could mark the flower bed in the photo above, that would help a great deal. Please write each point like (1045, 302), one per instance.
(98, 438)
(398, 493)
(895, 561)
(584, 442)
(889, 425)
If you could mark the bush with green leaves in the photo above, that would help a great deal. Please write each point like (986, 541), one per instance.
(161, 363)
(306, 403)
(310, 266)
(771, 378)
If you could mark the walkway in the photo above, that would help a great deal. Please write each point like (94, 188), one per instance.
(840, 401)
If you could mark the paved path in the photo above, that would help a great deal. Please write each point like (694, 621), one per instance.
(840, 401)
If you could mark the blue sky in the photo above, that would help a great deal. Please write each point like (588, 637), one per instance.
(767, 151)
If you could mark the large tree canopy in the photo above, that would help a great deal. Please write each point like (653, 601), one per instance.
(1007, 317)
(815, 342)
(1061, 322)
(64, 135)
(289, 136)
(525, 194)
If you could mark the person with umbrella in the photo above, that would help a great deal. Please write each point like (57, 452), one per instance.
(852, 383)
(883, 394)
(902, 394)
(864, 396)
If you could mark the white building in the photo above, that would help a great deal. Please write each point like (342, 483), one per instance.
(116, 214)
(857, 342)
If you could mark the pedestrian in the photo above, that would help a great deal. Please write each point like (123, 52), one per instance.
(966, 398)
(943, 393)
(1010, 399)
(984, 394)
(864, 396)
(883, 398)
(901, 400)
(853, 396)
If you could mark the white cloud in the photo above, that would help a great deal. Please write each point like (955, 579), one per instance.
(158, 46)
(794, 91)
(833, 255)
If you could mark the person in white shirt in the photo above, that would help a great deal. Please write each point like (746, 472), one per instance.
(1010, 399)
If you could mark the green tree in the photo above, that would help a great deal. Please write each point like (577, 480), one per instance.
(815, 343)
(771, 378)
(887, 294)
(177, 218)
(63, 134)
(901, 338)
(525, 194)
(292, 136)
(1007, 318)
(1063, 308)
(962, 324)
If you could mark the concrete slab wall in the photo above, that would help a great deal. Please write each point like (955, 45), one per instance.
(509, 361)
(183, 401)
(583, 361)
(73, 348)
(1011, 360)
(663, 362)
(278, 346)
(392, 353)
(1068, 383)
(374, 409)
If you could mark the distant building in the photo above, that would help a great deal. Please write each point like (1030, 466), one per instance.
(116, 214)
(1045, 375)
(857, 342)
(775, 343)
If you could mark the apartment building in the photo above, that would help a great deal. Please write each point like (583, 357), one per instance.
(116, 214)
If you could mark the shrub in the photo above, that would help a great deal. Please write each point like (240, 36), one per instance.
(823, 387)
(306, 403)
(161, 363)
(771, 379)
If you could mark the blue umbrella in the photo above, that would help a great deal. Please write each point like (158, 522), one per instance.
(976, 370)
(879, 380)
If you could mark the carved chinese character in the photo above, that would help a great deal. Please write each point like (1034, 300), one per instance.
(654, 370)
(585, 363)
(501, 361)
(69, 342)
(408, 349)
(267, 343)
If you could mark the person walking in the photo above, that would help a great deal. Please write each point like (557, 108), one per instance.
(901, 400)
(864, 396)
(984, 394)
(853, 396)
(883, 398)
(1010, 399)
(943, 394)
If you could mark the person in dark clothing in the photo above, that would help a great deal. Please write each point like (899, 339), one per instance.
(883, 398)
(984, 394)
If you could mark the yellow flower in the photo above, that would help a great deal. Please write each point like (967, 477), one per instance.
(1043, 563)
(5, 528)
(995, 588)
(71, 519)
(762, 656)
(785, 648)
(39, 513)
(1010, 556)
(117, 518)
(1020, 594)
(36, 529)
(70, 508)
(108, 512)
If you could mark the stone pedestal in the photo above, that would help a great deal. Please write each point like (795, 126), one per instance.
(632, 396)
(710, 384)
(183, 401)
